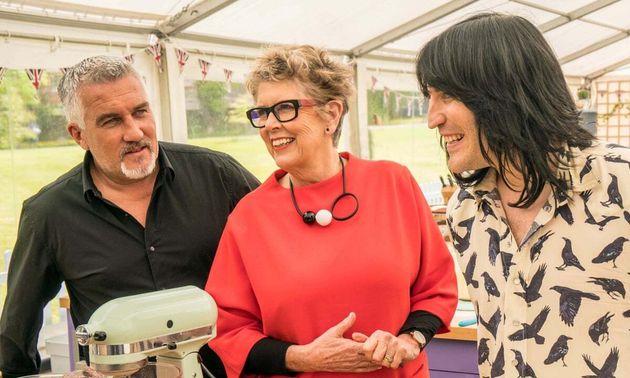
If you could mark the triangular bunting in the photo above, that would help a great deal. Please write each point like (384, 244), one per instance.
(35, 76)
(228, 79)
(374, 81)
(130, 58)
(155, 50)
(182, 58)
(205, 67)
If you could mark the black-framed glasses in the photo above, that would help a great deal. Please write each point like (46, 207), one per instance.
(284, 111)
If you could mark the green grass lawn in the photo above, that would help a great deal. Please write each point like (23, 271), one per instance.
(23, 172)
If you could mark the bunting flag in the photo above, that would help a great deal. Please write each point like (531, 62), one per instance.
(205, 67)
(35, 76)
(130, 58)
(182, 58)
(385, 96)
(3, 70)
(228, 79)
(374, 81)
(155, 50)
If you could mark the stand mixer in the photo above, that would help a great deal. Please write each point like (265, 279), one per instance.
(170, 324)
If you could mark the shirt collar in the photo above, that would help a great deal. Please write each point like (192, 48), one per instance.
(570, 173)
(167, 172)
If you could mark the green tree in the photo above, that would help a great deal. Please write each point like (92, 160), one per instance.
(17, 96)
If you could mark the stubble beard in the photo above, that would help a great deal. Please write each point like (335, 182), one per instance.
(142, 171)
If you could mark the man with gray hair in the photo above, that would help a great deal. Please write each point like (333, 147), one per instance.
(136, 216)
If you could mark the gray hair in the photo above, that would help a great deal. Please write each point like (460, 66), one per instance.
(323, 78)
(92, 70)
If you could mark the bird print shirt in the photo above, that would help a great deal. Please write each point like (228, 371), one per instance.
(557, 304)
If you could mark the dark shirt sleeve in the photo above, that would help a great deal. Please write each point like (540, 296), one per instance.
(422, 321)
(32, 282)
(267, 357)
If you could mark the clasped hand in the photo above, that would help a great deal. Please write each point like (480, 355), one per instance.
(331, 352)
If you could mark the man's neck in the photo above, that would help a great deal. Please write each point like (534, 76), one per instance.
(519, 219)
(132, 196)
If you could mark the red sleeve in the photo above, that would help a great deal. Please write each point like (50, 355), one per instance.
(435, 289)
(238, 325)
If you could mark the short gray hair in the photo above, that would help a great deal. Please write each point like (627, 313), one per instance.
(92, 70)
(323, 78)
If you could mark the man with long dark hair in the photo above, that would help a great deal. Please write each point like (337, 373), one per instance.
(541, 200)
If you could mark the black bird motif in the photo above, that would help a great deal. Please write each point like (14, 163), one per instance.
(523, 368)
(626, 215)
(490, 286)
(470, 270)
(487, 210)
(615, 145)
(626, 314)
(506, 262)
(570, 301)
(587, 166)
(599, 329)
(568, 258)
(616, 159)
(590, 219)
(614, 197)
(534, 252)
(532, 290)
(611, 251)
(493, 323)
(530, 331)
(607, 370)
(498, 365)
(494, 247)
(559, 349)
(565, 213)
(461, 243)
(463, 195)
(613, 287)
(483, 352)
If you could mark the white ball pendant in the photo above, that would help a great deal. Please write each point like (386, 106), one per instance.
(323, 217)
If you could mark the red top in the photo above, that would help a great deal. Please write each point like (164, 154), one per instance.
(276, 276)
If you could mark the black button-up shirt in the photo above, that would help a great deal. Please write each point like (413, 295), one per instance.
(69, 232)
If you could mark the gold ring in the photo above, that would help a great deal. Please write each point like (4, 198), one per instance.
(388, 359)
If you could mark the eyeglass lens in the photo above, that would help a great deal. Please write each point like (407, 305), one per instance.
(284, 112)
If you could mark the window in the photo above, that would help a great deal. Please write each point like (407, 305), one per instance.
(216, 119)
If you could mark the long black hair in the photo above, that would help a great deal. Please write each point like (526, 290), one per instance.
(503, 70)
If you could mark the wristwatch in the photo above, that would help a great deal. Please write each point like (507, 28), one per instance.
(419, 338)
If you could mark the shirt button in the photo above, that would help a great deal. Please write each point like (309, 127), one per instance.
(514, 362)
(152, 248)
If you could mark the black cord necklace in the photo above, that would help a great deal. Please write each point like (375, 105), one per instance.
(324, 216)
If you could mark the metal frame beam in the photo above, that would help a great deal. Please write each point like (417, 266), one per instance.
(565, 18)
(609, 68)
(409, 27)
(188, 16)
(594, 47)
(46, 5)
(58, 21)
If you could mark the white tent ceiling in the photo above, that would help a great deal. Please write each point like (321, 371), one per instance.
(590, 37)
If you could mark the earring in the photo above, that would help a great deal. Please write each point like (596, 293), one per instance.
(328, 129)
